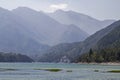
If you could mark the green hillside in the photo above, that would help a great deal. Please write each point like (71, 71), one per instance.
(108, 49)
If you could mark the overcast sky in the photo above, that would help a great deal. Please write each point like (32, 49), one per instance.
(100, 9)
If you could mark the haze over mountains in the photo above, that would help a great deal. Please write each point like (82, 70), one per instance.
(107, 38)
(30, 32)
(27, 31)
(15, 36)
(84, 22)
(51, 30)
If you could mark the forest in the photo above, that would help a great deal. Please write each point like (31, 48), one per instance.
(98, 56)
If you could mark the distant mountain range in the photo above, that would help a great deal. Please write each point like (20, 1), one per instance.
(30, 32)
(52, 32)
(26, 31)
(84, 22)
(105, 38)
(15, 36)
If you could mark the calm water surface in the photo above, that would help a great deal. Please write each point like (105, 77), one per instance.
(27, 71)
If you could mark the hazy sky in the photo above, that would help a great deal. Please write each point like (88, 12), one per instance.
(100, 9)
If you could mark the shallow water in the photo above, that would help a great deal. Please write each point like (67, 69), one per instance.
(27, 71)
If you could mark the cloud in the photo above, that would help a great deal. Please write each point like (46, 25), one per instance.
(55, 7)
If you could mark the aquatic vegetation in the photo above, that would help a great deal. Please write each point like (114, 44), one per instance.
(7, 69)
(114, 71)
(69, 71)
(11, 69)
(51, 70)
(96, 70)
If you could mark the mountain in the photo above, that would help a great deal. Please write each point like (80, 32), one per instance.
(55, 53)
(29, 32)
(108, 36)
(15, 35)
(111, 40)
(73, 34)
(52, 31)
(84, 22)
(107, 48)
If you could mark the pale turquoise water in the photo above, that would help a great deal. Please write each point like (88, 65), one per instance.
(26, 71)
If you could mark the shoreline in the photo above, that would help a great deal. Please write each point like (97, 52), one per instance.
(104, 63)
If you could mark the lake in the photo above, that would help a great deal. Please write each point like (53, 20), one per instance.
(34, 71)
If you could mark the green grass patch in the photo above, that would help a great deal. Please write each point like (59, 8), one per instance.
(114, 71)
(51, 70)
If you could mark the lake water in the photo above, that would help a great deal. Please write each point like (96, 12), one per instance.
(27, 71)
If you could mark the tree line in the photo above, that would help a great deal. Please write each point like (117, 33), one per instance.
(103, 55)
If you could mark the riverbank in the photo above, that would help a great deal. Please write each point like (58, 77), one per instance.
(103, 63)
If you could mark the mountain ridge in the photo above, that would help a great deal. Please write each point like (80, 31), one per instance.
(84, 22)
(15, 37)
(52, 31)
(76, 49)
(26, 35)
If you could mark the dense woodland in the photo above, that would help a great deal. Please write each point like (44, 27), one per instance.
(13, 57)
(104, 55)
